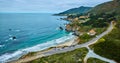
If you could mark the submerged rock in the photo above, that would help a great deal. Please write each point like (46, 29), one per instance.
(10, 29)
(13, 37)
(60, 28)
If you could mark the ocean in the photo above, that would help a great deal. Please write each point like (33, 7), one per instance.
(33, 32)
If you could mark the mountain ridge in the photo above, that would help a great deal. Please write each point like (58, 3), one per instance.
(74, 11)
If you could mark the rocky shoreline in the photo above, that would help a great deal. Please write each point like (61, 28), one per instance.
(53, 50)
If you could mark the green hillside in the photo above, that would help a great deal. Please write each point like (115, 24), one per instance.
(107, 7)
(75, 11)
(110, 47)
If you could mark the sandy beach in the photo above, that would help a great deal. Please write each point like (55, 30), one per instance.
(67, 43)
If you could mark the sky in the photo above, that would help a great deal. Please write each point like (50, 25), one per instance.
(45, 5)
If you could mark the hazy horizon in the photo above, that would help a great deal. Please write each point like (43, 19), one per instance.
(40, 6)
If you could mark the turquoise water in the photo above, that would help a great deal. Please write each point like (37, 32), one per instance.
(33, 32)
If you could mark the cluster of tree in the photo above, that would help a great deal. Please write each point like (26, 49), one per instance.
(97, 21)
(101, 20)
(84, 38)
(74, 16)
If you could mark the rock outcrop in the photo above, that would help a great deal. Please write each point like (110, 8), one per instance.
(74, 29)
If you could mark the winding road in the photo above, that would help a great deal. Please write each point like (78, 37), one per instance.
(61, 50)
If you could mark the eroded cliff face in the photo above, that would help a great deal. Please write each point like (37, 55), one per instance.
(68, 28)
(74, 29)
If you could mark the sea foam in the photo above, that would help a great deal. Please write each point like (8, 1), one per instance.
(17, 54)
(1, 45)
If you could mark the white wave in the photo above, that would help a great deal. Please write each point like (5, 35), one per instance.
(6, 57)
(1, 45)
(13, 56)
(9, 35)
(10, 39)
(17, 30)
(49, 44)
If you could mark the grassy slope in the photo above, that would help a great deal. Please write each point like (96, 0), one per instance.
(110, 46)
(107, 7)
(94, 60)
(75, 56)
